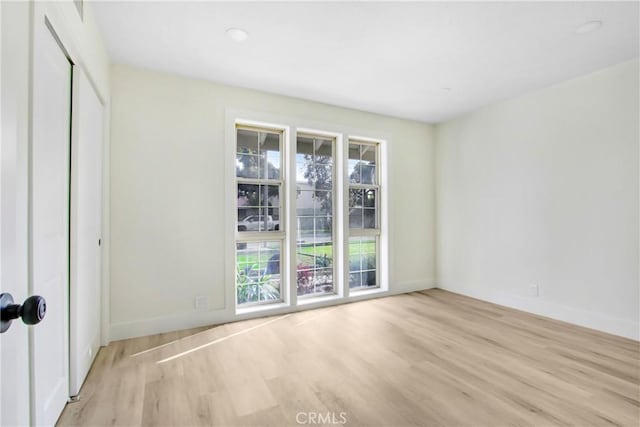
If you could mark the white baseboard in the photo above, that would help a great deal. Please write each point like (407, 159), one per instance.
(179, 321)
(412, 286)
(169, 323)
(541, 307)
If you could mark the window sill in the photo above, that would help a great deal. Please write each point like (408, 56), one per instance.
(320, 298)
(365, 291)
(260, 308)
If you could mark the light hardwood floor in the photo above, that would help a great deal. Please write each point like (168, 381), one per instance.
(429, 358)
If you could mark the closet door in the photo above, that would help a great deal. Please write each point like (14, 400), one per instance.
(86, 224)
(49, 230)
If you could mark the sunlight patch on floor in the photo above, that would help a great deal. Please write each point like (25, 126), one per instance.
(200, 347)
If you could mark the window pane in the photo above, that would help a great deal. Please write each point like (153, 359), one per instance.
(369, 198)
(368, 154)
(306, 228)
(247, 142)
(369, 279)
(314, 269)
(314, 209)
(314, 163)
(362, 262)
(367, 174)
(258, 207)
(324, 281)
(356, 197)
(323, 159)
(361, 163)
(355, 262)
(269, 155)
(304, 273)
(323, 203)
(247, 165)
(323, 229)
(353, 163)
(355, 218)
(363, 208)
(304, 145)
(324, 255)
(304, 163)
(355, 280)
(258, 154)
(369, 218)
(369, 261)
(258, 269)
(247, 154)
(304, 202)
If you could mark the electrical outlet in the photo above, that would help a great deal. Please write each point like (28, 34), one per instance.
(534, 290)
(201, 302)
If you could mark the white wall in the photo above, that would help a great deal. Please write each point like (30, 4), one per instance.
(167, 187)
(543, 189)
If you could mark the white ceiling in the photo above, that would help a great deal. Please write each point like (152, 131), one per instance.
(388, 58)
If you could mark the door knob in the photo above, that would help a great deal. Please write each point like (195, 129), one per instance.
(32, 311)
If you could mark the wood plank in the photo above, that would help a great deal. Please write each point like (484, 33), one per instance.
(426, 358)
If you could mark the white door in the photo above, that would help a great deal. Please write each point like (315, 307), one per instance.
(50, 223)
(86, 225)
(14, 344)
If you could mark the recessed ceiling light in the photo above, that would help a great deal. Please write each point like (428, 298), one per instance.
(589, 27)
(237, 34)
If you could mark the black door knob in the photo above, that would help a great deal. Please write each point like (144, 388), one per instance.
(31, 312)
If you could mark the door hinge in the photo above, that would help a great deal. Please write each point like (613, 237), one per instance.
(99, 242)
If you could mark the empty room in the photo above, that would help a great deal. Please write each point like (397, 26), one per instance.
(306, 213)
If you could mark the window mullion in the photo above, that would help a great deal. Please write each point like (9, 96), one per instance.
(291, 191)
(364, 186)
(343, 182)
(248, 236)
(360, 232)
(252, 181)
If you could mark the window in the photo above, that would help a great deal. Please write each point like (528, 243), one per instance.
(364, 215)
(314, 215)
(259, 239)
(327, 186)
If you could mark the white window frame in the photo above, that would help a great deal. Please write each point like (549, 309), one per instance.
(337, 285)
(342, 134)
(366, 232)
(265, 235)
(269, 235)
